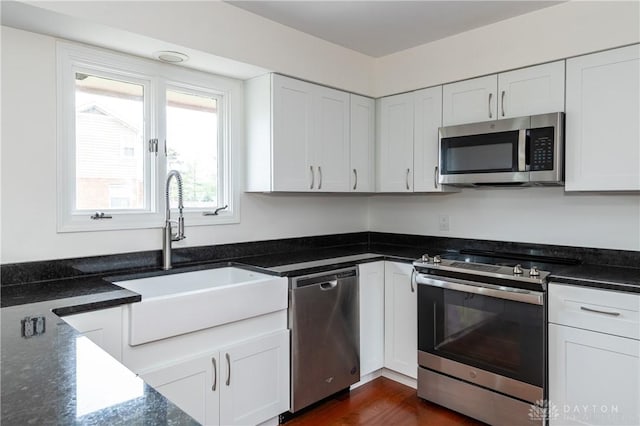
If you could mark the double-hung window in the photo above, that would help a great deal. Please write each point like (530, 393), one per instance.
(124, 123)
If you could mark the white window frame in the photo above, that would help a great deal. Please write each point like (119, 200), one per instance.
(156, 78)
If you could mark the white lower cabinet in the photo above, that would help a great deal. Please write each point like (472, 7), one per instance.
(102, 327)
(594, 374)
(242, 384)
(189, 385)
(400, 319)
(371, 291)
(593, 378)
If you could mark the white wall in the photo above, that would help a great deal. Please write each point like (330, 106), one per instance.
(536, 215)
(216, 28)
(555, 32)
(543, 215)
(539, 215)
(29, 178)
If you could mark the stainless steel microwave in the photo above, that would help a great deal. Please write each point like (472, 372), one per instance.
(517, 151)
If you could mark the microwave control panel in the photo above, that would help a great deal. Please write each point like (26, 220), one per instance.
(541, 148)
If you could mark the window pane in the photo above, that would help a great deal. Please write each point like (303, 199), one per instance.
(192, 147)
(109, 144)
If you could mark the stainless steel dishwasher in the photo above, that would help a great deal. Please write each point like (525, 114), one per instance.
(325, 341)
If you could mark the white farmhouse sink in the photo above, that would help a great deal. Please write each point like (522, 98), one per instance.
(185, 302)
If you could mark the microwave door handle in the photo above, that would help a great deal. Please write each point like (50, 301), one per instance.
(522, 150)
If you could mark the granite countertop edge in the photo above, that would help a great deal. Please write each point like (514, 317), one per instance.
(114, 295)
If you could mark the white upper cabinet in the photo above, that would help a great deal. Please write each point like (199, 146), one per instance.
(603, 121)
(527, 91)
(293, 115)
(394, 147)
(298, 136)
(531, 91)
(470, 101)
(407, 142)
(427, 120)
(329, 145)
(362, 170)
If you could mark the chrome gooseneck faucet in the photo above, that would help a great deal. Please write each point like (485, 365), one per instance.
(169, 234)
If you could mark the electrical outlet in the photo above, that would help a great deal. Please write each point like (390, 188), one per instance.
(27, 327)
(39, 325)
(32, 326)
(443, 222)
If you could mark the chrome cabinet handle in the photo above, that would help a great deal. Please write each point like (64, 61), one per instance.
(355, 174)
(613, 314)
(215, 374)
(502, 102)
(413, 274)
(490, 113)
(320, 174)
(408, 171)
(228, 368)
(313, 179)
(435, 177)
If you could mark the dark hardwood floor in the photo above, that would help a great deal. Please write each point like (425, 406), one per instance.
(381, 402)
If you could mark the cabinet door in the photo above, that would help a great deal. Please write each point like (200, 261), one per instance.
(602, 121)
(371, 291)
(394, 150)
(427, 119)
(330, 145)
(594, 378)
(102, 327)
(362, 144)
(470, 101)
(292, 119)
(255, 380)
(400, 319)
(189, 384)
(530, 91)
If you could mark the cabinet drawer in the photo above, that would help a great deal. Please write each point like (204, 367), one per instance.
(604, 311)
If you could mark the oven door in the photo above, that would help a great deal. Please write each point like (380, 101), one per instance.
(492, 328)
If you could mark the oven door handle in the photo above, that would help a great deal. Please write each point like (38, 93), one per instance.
(483, 289)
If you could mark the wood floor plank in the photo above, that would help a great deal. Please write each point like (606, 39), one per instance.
(381, 402)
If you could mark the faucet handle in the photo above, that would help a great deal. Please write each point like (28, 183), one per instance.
(181, 235)
(178, 234)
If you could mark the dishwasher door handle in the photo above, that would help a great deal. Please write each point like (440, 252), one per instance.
(328, 285)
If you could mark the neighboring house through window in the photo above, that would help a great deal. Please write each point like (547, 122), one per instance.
(124, 123)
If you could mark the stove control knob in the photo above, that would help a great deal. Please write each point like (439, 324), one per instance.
(517, 270)
(534, 272)
(425, 258)
(437, 259)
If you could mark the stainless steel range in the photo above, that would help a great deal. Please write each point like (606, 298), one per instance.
(482, 337)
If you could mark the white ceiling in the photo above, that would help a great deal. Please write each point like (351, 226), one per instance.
(381, 27)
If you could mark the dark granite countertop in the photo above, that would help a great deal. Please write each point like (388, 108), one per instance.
(60, 377)
(44, 377)
(600, 276)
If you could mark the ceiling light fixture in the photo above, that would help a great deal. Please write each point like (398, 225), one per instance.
(170, 56)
